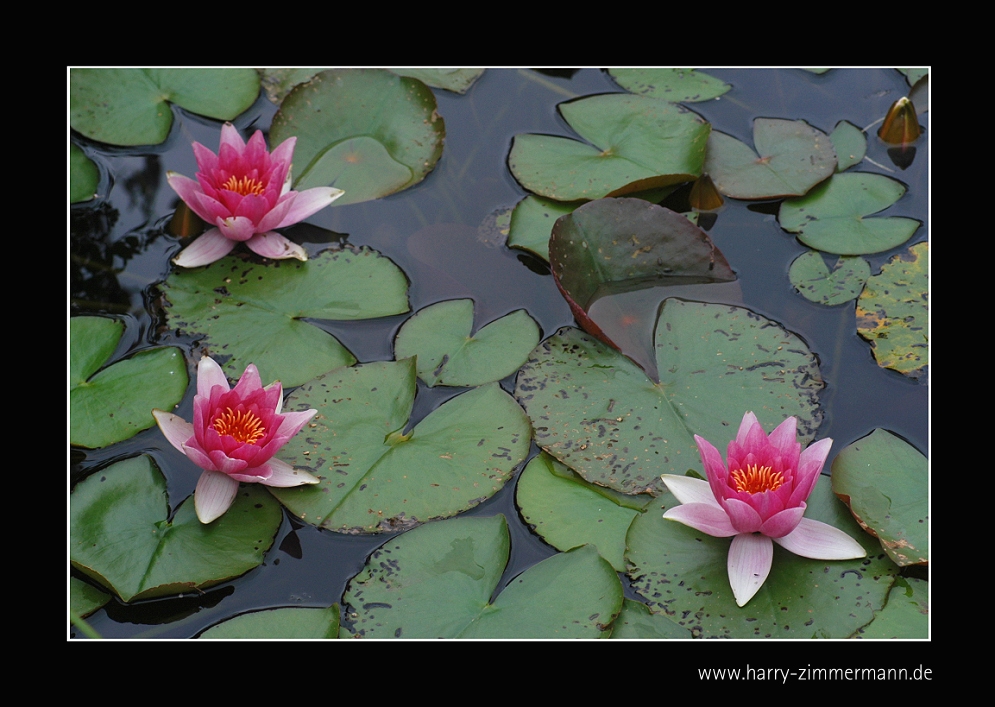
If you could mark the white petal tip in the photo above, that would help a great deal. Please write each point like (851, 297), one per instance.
(750, 558)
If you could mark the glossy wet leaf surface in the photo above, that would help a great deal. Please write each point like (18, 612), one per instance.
(567, 511)
(84, 598)
(532, 223)
(570, 595)
(637, 621)
(836, 216)
(122, 534)
(455, 80)
(682, 573)
(850, 145)
(674, 85)
(906, 614)
(885, 481)
(254, 312)
(375, 476)
(598, 413)
(615, 245)
(440, 337)
(132, 106)
(893, 312)
(287, 623)
(789, 157)
(633, 143)
(116, 403)
(84, 177)
(812, 278)
(368, 132)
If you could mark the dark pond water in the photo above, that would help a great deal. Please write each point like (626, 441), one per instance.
(120, 250)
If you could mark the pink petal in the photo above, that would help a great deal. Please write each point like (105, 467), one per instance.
(249, 382)
(207, 161)
(782, 523)
(276, 385)
(715, 469)
(687, 489)
(309, 202)
(820, 541)
(284, 476)
(294, 421)
(214, 495)
(209, 374)
(207, 204)
(784, 438)
(749, 421)
(273, 245)
(174, 428)
(230, 137)
(225, 464)
(205, 250)
(198, 456)
(707, 518)
(253, 207)
(742, 515)
(284, 152)
(255, 475)
(275, 216)
(237, 228)
(810, 465)
(749, 561)
(189, 191)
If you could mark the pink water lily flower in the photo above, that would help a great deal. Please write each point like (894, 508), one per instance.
(759, 499)
(234, 435)
(244, 191)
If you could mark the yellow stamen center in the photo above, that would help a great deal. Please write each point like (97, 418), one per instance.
(245, 427)
(756, 479)
(244, 186)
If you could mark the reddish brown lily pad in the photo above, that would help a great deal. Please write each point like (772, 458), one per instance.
(620, 245)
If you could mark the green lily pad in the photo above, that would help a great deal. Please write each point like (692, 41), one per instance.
(906, 615)
(253, 312)
(84, 177)
(279, 82)
(617, 245)
(84, 598)
(913, 75)
(850, 144)
(131, 106)
(397, 595)
(636, 143)
(637, 621)
(598, 413)
(287, 623)
(374, 477)
(117, 403)
(893, 312)
(682, 573)
(832, 218)
(812, 278)
(885, 481)
(368, 132)
(791, 157)
(455, 80)
(676, 85)
(439, 335)
(121, 533)
(566, 511)
(532, 223)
